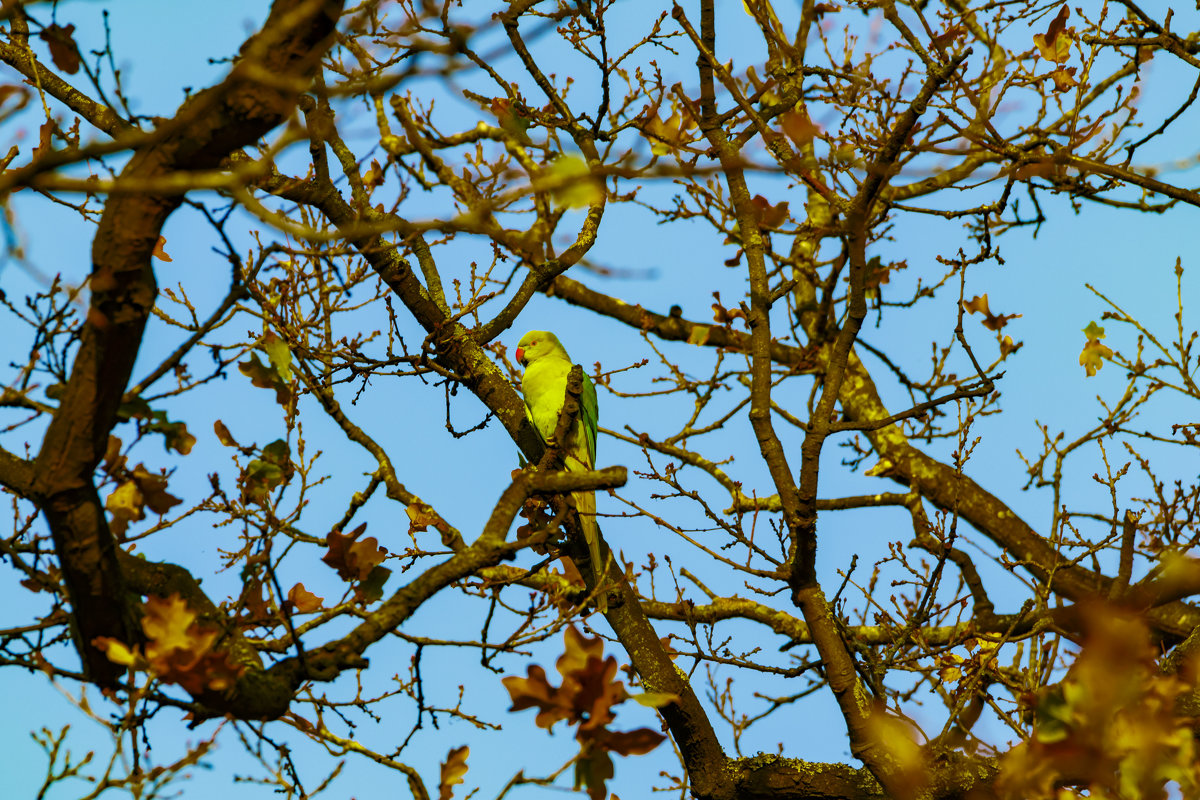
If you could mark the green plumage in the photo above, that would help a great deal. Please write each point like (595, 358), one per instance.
(547, 366)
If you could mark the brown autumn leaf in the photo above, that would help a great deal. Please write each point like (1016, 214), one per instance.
(1055, 43)
(63, 50)
(593, 769)
(534, 691)
(769, 217)
(453, 770)
(223, 434)
(993, 322)
(420, 517)
(303, 600)
(1111, 723)
(353, 559)
(46, 145)
(577, 651)
(586, 699)
(1047, 167)
(632, 743)
(12, 91)
(252, 598)
(154, 490)
(263, 475)
(947, 36)
(723, 315)
(375, 176)
(1064, 79)
(114, 461)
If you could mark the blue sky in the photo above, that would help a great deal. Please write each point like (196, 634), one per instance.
(168, 46)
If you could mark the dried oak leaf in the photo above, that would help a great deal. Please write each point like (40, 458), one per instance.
(593, 769)
(353, 560)
(769, 216)
(421, 516)
(535, 691)
(63, 50)
(992, 322)
(631, 743)
(303, 600)
(223, 434)
(252, 598)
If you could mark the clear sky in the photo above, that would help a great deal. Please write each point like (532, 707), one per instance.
(164, 47)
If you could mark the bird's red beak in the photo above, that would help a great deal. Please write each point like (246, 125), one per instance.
(521, 356)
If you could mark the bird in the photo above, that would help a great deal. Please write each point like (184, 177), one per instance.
(544, 386)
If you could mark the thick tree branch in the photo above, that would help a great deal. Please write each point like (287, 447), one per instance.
(238, 112)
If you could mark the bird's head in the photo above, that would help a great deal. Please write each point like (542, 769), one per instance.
(536, 344)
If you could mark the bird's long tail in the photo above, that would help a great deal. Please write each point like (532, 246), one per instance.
(585, 504)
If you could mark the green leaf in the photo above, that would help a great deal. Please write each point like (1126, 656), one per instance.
(572, 184)
(370, 589)
(655, 699)
(1093, 331)
(281, 358)
(278, 452)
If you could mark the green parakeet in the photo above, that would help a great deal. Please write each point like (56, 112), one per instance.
(545, 384)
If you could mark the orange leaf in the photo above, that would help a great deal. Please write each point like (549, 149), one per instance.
(798, 127)
(159, 252)
(305, 601)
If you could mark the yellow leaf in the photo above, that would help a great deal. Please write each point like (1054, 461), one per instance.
(453, 770)
(127, 501)
(167, 621)
(572, 184)
(116, 651)
(699, 335)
